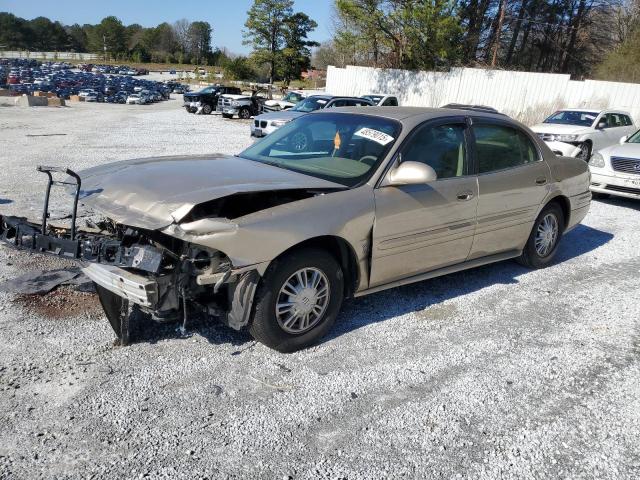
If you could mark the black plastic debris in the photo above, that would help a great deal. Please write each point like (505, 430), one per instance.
(40, 282)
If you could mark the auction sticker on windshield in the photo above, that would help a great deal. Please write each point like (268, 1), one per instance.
(374, 135)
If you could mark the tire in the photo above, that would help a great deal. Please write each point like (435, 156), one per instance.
(206, 109)
(532, 256)
(585, 151)
(244, 113)
(300, 141)
(127, 321)
(269, 328)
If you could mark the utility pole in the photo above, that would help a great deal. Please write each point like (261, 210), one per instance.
(496, 46)
(104, 46)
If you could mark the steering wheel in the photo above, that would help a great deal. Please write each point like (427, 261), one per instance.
(372, 159)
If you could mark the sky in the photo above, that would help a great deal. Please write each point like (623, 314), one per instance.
(227, 17)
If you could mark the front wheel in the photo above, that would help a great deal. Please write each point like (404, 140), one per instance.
(298, 300)
(585, 151)
(206, 109)
(244, 113)
(544, 239)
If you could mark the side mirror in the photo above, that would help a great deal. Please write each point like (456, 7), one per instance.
(624, 139)
(602, 125)
(411, 173)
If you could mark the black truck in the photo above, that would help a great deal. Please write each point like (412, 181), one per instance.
(206, 100)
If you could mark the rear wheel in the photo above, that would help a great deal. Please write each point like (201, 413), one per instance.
(544, 239)
(298, 300)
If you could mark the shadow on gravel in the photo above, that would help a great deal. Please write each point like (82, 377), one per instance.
(5, 201)
(148, 331)
(417, 297)
(621, 202)
(384, 305)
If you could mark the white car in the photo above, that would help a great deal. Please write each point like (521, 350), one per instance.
(382, 99)
(136, 99)
(615, 170)
(290, 100)
(89, 95)
(580, 132)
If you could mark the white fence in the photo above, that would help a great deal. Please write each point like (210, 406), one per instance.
(49, 55)
(529, 97)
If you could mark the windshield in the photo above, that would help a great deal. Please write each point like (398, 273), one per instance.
(570, 117)
(310, 104)
(635, 138)
(341, 148)
(208, 90)
(292, 97)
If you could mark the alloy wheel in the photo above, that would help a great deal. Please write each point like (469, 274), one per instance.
(547, 235)
(302, 301)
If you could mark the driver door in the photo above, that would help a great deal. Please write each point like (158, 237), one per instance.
(424, 227)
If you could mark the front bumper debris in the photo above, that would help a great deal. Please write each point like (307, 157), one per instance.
(137, 289)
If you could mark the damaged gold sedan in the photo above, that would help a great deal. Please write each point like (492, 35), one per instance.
(332, 205)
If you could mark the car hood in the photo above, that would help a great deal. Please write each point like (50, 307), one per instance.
(285, 115)
(626, 150)
(559, 129)
(153, 193)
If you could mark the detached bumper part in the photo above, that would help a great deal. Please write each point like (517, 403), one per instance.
(135, 288)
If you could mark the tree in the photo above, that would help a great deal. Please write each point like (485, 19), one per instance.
(265, 30)
(623, 64)
(239, 68)
(296, 55)
(199, 40)
(46, 35)
(400, 33)
(14, 31)
(110, 33)
(77, 38)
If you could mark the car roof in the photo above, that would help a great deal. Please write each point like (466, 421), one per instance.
(598, 110)
(417, 114)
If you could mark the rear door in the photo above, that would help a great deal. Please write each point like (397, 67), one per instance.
(424, 227)
(513, 181)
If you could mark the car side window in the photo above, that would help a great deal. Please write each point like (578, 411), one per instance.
(499, 147)
(442, 147)
(614, 120)
(390, 102)
(337, 103)
(626, 120)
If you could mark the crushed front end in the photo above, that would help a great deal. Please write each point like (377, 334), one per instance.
(165, 277)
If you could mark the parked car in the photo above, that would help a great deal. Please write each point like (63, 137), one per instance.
(91, 96)
(269, 122)
(273, 240)
(580, 132)
(244, 106)
(382, 99)
(206, 100)
(615, 170)
(137, 99)
(290, 100)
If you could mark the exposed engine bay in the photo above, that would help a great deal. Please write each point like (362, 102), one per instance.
(163, 276)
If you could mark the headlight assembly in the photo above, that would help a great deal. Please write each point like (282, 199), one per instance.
(279, 123)
(597, 160)
(235, 104)
(566, 138)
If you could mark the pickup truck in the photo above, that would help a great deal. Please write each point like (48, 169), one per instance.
(244, 106)
(206, 100)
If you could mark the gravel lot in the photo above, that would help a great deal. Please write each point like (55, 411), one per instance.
(498, 372)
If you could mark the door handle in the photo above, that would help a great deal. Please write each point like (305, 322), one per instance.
(464, 196)
(541, 181)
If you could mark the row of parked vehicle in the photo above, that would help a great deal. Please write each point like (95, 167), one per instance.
(113, 69)
(28, 76)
